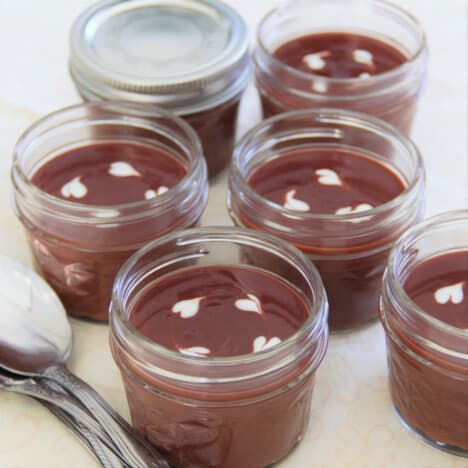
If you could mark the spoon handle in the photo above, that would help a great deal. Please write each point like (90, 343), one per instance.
(104, 454)
(134, 449)
(62, 401)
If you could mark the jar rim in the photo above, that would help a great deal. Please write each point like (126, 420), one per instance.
(398, 292)
(421, 51)
(314, 327)
(78, 209)
(375, 124)
(167, 81)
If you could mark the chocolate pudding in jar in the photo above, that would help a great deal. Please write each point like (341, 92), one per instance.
(340, 186)
(93, 184)
(190, 57)
(424, 310)
(368, 56)
(218, 333)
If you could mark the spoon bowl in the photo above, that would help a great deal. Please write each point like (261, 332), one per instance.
(34, 329)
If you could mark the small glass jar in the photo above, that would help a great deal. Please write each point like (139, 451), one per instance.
(188, 56)
(391, 96)
(242, 411)
(427, 358)
(349, 250)
(79, 248)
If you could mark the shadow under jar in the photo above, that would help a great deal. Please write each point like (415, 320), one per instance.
(198, 384)
(340, 186)
(190, 57)
(368, 56)
(95, 182)
(424, 310)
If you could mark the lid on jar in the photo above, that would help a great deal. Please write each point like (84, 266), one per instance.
(184, 55)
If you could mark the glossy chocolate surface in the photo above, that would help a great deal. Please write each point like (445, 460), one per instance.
(326, 181)
(439, 286)
(331, 181)
(109, 173)
(218, 311)
(340, 55)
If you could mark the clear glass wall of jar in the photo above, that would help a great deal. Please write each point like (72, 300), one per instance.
(391, 96)
(190, 57)
(349, 250)
(240, 411)
(79, 248)
(427, 358)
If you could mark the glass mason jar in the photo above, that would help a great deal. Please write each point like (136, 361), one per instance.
(391, 96)
(188, 56)
(241, 411)
(427, 358)
(79, 248)
(349, 250)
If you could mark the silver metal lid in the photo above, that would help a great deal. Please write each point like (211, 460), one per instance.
(185, 55)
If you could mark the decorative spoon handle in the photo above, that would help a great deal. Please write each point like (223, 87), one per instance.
(134, 449)
(46, 394)
(104, 454)
(68, 410)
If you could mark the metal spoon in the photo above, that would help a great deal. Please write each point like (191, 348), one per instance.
(103, 453)
(35, 341)
(68, 411)
(28, 386)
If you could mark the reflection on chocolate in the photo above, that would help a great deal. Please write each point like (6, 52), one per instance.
(217, 311)
(439, 286)
(340, 55)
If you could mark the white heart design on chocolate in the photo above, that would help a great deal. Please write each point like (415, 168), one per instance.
(328, 177)
(252, 304)
(187, 308)
(319, 86)
(122, 169)
(261, 343)
(75, 188)
(149, 194)
(363, 56)
(199, 351)
(293, 203)
(315, 61)
(350, 210)
(452, 293)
